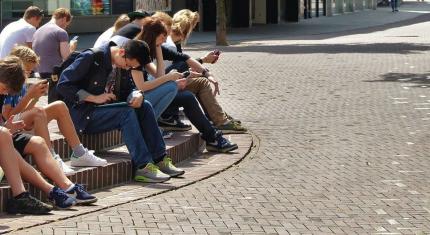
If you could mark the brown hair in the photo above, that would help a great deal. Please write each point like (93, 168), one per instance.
(120, 22)
(151, 29)
(12, 74)
(26, 54)
(61, 13)
(32, 11)
(167, 20)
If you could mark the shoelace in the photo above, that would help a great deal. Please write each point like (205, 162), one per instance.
(222, 141)
(35, 202)
(152, 168)
(79, 188)
(93, 157)
(61, 194)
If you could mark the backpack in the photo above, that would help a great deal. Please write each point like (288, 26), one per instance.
(58, 70)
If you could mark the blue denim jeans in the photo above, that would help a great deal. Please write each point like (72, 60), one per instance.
(161, 96)
(194, 113)
(394, 4)
(143, 146)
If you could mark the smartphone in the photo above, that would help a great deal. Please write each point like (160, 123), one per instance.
(217, 52)
(16, 118)
(186, 74)
(75, 38)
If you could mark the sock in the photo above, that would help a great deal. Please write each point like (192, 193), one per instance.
(70, 188)
(79, 150)
(21, 195)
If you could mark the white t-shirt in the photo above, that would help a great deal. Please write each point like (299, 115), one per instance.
(16, 33)
(104, 37)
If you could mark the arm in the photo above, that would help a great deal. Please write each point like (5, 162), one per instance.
(143, 85)
(160, 62)
(27, 101)
(66, 48)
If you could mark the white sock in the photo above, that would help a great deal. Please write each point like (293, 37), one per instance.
(70, 188)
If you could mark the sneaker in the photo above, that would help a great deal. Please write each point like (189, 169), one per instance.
(88, 159)
(232, 128)
(166, 166)
(173, 124)
(27, 204)
(63, 166)
(82, 197)
(150, 174)
(60, 199)
(220, 144)
(1, 174)
(233, 119)
(166, 134)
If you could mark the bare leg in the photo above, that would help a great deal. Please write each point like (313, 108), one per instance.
(35, 118)
(59, 111)
(8, 154)
(46, 163)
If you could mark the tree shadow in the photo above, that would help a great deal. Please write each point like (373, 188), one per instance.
(383, 48)
(417, 80)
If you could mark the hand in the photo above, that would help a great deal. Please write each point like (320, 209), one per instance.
(216, 85)
(103, 98)
(73, 45)
(210, 57)
(181, 83)
(38, 89)
(136, 100)
(14, 126)
(194, 74)
(174, 75)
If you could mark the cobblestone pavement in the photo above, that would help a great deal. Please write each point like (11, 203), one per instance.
(343, 124)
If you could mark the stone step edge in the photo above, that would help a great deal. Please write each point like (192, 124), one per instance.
(118, 171)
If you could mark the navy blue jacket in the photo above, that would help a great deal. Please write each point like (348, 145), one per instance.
(75, 78)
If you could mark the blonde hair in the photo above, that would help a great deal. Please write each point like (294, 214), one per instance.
(26, 54)
(61, 13)
(120, 22)
(184, 22)
(164, 17)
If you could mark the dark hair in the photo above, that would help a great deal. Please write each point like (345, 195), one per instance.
(32, 11)
(151, 29)
(137, 49)
(12, 74)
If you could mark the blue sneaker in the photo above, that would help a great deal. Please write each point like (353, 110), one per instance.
(81, 196)
(220, 144)
(60, 199)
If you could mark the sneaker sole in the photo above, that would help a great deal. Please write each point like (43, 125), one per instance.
(62, 208)
(144, 179)
(176, 174)
(226, 150)
(87, 165)
(232, 131)
(14, 212)
(86, 202)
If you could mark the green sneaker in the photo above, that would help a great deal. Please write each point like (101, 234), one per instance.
(150, 174)
(232, 128)
(166, 166)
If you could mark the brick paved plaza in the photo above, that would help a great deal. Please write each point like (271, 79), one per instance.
(341, 125)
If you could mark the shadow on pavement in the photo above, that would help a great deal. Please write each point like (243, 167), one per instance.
(386, 48)
(420, 80)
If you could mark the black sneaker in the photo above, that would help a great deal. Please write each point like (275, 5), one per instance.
(27, 204)
(173, 124)
(220, 144)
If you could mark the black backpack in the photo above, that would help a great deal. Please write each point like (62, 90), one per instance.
(58, 70)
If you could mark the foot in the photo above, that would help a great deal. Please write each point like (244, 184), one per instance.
(88, 159)
(232, 128)
(82, 197)
(27, 204)
(220, 144)
(166, 134)
(60, 199)
(63, 166)
(173, 124)
(166, 166)
(150, 174)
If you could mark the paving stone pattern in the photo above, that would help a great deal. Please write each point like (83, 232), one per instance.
(343, 127)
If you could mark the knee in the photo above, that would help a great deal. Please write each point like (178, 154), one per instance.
(38, 141)
(171, 87)
(60, 107)
(39, 114)
(5, 135)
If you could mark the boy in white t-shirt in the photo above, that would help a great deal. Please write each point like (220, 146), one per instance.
(20, 32)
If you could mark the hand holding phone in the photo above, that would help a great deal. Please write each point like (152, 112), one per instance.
(75, 38)
(216, 53)
(186, 74)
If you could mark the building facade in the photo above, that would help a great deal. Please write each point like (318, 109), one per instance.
(97, 15)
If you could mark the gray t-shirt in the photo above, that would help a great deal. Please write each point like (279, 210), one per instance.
(46, 44)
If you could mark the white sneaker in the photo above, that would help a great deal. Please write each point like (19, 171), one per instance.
(88, 159)
(63, 166)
